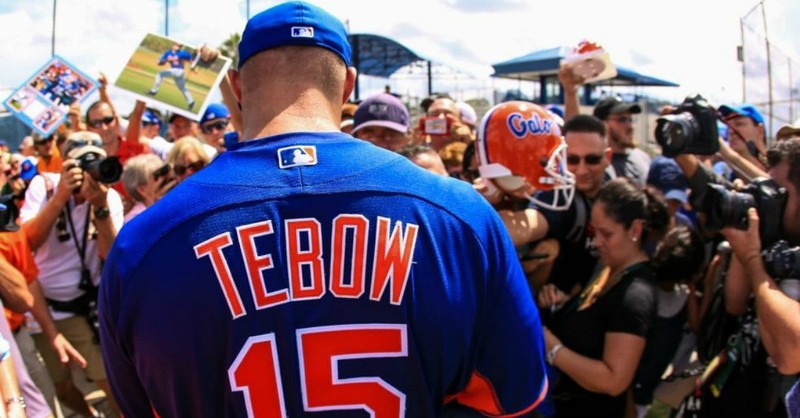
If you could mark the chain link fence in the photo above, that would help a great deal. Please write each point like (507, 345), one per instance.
(770, 73)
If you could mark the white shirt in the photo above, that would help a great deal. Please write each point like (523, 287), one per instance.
(59, 263)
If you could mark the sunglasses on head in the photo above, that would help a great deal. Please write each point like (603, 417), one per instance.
(195, 166)
(219, 125)
(100, 122)
(591, 159)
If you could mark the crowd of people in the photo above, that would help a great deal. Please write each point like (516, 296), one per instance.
(532, 262)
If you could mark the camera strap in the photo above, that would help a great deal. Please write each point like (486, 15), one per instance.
(86, 276)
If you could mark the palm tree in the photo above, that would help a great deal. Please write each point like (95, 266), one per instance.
(230, 48)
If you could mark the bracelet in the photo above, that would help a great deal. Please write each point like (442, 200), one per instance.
(551, 355)
(18, 399)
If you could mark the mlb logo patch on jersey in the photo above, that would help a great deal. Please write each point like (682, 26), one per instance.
(296, 156)
(302, 32)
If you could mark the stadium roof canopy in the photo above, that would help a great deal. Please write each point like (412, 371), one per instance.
(378, 56)
(543, 63)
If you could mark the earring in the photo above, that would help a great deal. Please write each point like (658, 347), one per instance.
(634, 239)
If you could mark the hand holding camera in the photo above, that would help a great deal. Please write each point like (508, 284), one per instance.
(94, 192)
(745, 243)
(71, 180)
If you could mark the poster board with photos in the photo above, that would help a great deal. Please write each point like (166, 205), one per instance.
(167, 73)
(43, 101)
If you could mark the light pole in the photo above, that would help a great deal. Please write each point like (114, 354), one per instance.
(53, 32)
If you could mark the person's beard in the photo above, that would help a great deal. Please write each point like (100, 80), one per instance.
(621, 141)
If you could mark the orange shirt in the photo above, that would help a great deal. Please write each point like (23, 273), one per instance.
(15, 249)
(52, 166)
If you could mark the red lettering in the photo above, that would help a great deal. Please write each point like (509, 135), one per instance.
(298, 257)
(255, 264)
(213, 249)
(393, 256)
(359, 225)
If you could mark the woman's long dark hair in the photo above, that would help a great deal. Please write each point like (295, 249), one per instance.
(626, 201)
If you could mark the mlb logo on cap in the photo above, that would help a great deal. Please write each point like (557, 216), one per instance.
(296, 156)
(302, 32)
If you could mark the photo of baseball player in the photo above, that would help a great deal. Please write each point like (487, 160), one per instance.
(176, 58)
(171, 74)
(44, 99)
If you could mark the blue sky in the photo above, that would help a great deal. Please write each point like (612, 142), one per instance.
(687, 41)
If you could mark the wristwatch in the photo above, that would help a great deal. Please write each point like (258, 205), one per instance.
(551, 355)
(102, 212)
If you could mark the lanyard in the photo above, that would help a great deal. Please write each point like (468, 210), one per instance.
(80, 248)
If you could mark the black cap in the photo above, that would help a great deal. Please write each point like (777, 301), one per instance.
(614, 105)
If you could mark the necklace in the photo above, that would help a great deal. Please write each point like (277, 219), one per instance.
(597, 287)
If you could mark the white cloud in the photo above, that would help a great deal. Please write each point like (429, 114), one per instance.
(687, 41)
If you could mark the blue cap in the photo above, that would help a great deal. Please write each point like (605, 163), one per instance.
(294, 23)
(555, 109)
(27, 169)
(666, 175)
(150, 117)
(215, 111)
(744, 110)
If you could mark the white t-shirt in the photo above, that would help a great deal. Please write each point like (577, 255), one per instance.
(59, 263)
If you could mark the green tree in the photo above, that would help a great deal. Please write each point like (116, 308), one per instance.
(230, 48)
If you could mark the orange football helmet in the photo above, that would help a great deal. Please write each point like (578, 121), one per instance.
(520, 147)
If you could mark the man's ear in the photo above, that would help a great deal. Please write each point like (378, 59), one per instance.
(236, 86)
(349, 83)
(609, 155)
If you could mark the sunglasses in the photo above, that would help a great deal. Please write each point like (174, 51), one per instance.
(100, 122)
(591, 159)
(219, 125)
(195, 166)
(44, 141)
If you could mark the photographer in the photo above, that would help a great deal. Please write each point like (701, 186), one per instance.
(747, 381)
(71, 220)
(777, 306)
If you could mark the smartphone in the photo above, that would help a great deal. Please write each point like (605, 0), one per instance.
(435, 126)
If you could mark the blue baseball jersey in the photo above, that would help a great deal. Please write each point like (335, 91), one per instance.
(175, 59)
(313, 274)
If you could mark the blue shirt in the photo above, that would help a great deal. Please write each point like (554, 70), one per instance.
(175, 59)
(313, 272)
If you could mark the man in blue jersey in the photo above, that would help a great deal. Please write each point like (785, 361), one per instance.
(308, 273)
(176, 58)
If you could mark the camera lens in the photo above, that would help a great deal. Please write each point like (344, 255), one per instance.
(726, 208)
(674, 132)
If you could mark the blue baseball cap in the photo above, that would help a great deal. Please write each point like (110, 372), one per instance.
(666, 175)
(27, 169)
(215, 111)
(151, 118)
(744, 110)
(294, 23)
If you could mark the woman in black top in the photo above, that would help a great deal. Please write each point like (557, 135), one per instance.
(596, 338)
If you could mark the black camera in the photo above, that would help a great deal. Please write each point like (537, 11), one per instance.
(105, 170)
(9, 212)
(724, 207)
(782, 261)
(691, 129)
